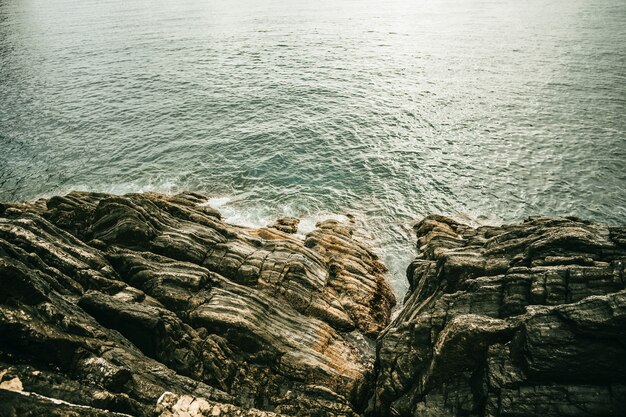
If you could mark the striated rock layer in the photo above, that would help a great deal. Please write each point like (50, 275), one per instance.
(520, 320)
(148, 304)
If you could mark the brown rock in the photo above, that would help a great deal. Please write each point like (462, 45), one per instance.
(168, 298)
(286, 224)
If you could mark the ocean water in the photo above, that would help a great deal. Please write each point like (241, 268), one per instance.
(389, 110)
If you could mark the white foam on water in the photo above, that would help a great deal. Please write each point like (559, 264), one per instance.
(263, 216)
(246, 218)
(217, 202)
(239, 216)
(237, 210)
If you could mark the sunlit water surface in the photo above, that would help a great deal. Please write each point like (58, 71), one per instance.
(389, 110)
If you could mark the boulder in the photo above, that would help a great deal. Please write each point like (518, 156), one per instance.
(520, 320)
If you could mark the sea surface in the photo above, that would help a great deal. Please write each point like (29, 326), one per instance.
(490, 111)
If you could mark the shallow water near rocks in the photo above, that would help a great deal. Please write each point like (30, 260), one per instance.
(488, 110)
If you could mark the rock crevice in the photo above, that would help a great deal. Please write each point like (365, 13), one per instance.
(151, 305)
(518, 320)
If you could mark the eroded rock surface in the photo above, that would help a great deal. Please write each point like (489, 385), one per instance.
(148, 304)
(519, 320)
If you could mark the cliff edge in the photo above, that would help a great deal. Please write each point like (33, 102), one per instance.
(147, 304)
(151, 305)
(521, 320)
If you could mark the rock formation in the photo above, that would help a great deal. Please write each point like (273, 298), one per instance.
(286, 224)
(150, 305)
(520, 320)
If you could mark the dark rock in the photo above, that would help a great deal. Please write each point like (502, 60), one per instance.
(150, 305)
(526, 319)
(169, 310)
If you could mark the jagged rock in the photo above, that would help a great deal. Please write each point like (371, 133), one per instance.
(519, 320)
(24, 404)
(150, 305)
(108, 302)
(10, 384)
(286, 224)
(172, 405)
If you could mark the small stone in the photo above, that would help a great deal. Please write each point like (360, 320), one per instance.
(286, 224)
(13, 384)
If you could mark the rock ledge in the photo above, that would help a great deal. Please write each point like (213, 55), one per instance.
(151, 305)
(147, 304)
(520, 320)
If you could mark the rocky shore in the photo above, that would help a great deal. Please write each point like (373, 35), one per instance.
(151, 305)
(520, 320)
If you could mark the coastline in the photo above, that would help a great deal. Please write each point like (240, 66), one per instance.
(148, 304)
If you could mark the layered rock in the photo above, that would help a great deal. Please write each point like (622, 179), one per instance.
(286, 224)
(148, 304)
(520, 320)
(151, 305)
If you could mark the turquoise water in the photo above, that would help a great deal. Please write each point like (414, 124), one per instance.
(389, 110)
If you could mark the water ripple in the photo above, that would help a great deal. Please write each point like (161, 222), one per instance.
(490, 111)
